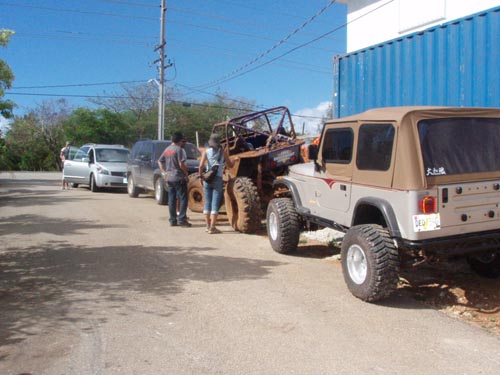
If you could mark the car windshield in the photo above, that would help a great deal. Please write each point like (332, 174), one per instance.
(112, 155)
(460, 145)
(191, 151)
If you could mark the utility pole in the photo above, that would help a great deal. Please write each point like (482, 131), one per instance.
(161, 71)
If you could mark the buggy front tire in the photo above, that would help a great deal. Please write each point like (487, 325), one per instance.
(242, 202)
(370, 262)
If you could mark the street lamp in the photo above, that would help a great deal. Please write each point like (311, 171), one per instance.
(161, 108)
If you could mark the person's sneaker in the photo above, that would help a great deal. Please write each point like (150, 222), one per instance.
(213, 230)
(185, 224)
(208, 228)
(173, 224)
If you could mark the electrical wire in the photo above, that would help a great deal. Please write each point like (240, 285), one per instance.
(229, 78)
(269, 50)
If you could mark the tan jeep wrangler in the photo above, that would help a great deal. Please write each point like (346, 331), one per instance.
(403, 183)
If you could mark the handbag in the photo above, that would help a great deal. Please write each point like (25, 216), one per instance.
(209, 176)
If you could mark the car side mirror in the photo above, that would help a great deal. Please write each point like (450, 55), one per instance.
(312, 152)
(85, 160)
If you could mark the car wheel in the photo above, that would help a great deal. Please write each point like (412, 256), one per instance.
(132, 190)
(370, 262)
(74, 185)
(161, 196)
(485, 265)
(93, 186)
(283, 225)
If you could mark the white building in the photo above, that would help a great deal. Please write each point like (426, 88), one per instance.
(375, 21)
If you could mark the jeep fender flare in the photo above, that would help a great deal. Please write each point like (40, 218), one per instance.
(293, 192)
(386, 210)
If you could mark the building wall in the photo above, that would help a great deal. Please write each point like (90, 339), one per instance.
(452, 64)
(376, 21)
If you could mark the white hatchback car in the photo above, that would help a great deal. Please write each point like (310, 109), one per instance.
(98, 166)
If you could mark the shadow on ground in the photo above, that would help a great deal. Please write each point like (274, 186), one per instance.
(57, 284)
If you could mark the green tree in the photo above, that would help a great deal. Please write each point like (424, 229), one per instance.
(6, 77)
(98, 126)
(34, 140)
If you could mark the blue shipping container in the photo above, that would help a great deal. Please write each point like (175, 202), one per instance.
(453, 64)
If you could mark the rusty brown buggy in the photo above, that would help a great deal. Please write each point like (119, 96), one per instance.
(265, 144)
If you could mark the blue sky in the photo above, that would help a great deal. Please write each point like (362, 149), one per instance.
(82, 42)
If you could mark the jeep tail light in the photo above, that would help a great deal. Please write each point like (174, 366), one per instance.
(428, 205)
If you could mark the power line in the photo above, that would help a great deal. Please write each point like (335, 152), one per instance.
(79, 11)
(77, 85)
(275, 46)
(129, 3)
(229, 78)
(126, 97)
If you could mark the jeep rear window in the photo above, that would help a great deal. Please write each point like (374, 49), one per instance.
(337, 146)
(375, 147)
(460, 145)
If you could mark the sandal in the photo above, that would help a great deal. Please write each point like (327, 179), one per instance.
(213, 230)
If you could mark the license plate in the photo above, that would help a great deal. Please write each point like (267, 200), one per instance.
(424, 223)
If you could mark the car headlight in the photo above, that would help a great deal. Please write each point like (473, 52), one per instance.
(102, 170)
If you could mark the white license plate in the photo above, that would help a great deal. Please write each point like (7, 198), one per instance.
(424, 223)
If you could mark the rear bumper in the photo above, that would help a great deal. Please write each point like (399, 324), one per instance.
(457, 245)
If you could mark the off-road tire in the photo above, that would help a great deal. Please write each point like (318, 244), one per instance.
(196, 201)
(93, 187)
(370, 262)
(161, 195)
(243, 205)
(283, 225)
(485, 265)
(132, 190)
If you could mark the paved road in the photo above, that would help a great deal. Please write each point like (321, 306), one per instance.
(97, 283)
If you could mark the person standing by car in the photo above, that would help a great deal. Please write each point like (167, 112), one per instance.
(216, 157)
(64, 155)
(173, 163)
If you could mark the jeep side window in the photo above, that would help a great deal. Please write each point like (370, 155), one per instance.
(375, 147)
(337, 146)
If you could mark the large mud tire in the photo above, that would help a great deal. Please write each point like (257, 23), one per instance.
(370, 262)
(485, 265)
(195, 194)
(242, 202)
(161, 195)
(283, 225)
(132, 190)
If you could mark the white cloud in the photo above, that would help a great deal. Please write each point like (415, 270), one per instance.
(311, 122)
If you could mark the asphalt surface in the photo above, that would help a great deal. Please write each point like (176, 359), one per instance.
(98, 283)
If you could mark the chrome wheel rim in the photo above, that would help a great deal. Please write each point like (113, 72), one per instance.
(357, 264)
(158, 189)
(130, 185)
(273, 225)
